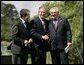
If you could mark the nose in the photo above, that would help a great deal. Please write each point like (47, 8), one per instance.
(52, 14)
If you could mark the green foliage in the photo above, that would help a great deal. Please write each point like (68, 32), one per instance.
(8, 16)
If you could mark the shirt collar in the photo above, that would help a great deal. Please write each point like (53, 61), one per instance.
(56, 19)
(22, 20)
(40, 18)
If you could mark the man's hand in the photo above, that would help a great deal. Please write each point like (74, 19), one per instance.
(30, 40)
(26, 42)
(45, 37)
(69, 44)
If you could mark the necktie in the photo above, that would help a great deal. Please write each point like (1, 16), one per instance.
(43, 23)
(25, 25)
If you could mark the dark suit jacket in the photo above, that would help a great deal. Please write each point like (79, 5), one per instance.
(37, 31)
(19, 34)
(61, 35)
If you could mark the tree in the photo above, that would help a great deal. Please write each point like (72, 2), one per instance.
(8, 16)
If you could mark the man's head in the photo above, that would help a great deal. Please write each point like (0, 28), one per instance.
(54, 12)
(42, 12)
(24, 14)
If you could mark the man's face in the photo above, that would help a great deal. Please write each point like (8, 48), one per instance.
(54, 13)
(27, 17)
(42, 12)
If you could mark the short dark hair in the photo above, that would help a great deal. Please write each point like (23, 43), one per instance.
(24, 12)
(41, 7)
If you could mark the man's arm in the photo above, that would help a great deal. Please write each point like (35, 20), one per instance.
(69, 34)
(33, 31)
(15, 36)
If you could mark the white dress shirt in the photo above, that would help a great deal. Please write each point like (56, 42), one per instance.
(55, 23)
(23, 22)
(42, 22)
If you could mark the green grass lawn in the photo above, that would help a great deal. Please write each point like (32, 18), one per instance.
(48, 59)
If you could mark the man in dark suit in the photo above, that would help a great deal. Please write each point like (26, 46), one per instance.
(60, 37)
(39, 35)
(21, 38)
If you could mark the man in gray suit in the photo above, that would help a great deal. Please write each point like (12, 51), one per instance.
(60, 37)
(21, 38)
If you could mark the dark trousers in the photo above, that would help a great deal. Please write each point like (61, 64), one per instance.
(59, 57)
(38, 56)
(19, 59)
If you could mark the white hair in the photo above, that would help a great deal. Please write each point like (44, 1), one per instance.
(56, 8)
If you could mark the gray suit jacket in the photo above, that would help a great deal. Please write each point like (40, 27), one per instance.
(61, 35)
(19, 34)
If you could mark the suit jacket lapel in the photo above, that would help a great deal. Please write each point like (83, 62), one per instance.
(52, 24)
(58, 24)
(22, 26)
(41, 23)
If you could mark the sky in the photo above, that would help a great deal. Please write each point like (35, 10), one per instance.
(31, 5)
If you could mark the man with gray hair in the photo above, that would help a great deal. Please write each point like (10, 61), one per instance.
(60, 37)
